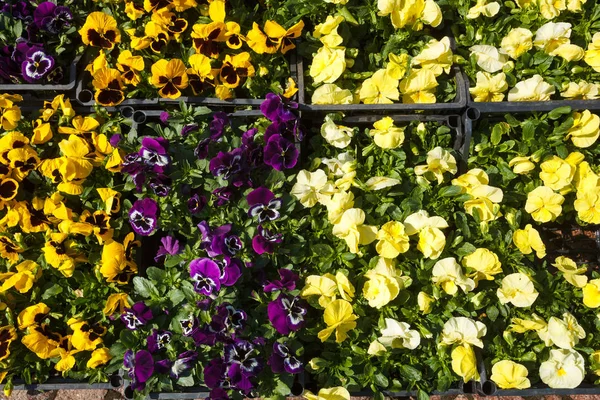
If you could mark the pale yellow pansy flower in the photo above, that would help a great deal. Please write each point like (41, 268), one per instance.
(592, 54)
(419, 87)
(392, 240)
(380, 182)
(339, 318)
(398, 335)
(517, 42)
(464, 363)
(484, 262)
(463, 331)
(532, 89)
(376, 348)
(328, 64)
(581, 90)
(510, 375)
(336, 135)
(397, 65)
(323, 286)
(425, 302)
(436, 56)
(521, 165)
(570, 52)
(564, 369)
(488, 87)
(351, 228)
(386, 134)
(334, 393)
(381, 88)
(327, 31)
(556, 173)
(544, 204)
(575, 5)
(439, 161)
(489, 58)
(521, 325)
(431, 239)
(483, 7)
(585, 130)
(448, 274)
(518, 290)
(330, 93)
(591, 294)
(551, 9)
(552, 35)
(311, 187)
(384, 283)
(572, 274)
(528, 240)
(338, 204)
(587, 205)
(565, 333)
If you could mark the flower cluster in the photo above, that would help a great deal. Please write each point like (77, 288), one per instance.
(217, 50)
(65, 253)
(34, 35)
(529, 50)
(219, 307)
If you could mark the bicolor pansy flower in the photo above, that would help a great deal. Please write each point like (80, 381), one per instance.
(7, 335)
(284, 360)
(205, 274)
(263, 204)
(37, 65)
(170, 77)
(205, 38)
(143, 216)
(286, 314)
(265, 241)
(138, 315)
(100, 30)
(158, 340)
(109, 87)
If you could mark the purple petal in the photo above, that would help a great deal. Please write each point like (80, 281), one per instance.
(144, 366)
(260, 195)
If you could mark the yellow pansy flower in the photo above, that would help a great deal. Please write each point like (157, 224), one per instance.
(449, 275)
(483, 8)
(339, 318)
(32, 316)
(569, 52)
(591, 294)
(489, 88)
(380, 88)
(336, 135)
(328, 64)
(100, 30)
(510, 375)
(564, 369)
(431, 239)
(551, 9)
(99, 357)
(552, 35)
(334, 393)
(398, 335)
(338, 204)
(392, 240)
(518, 290)
(387, 135)
(592, 54)
(532, 89)
(544, 204)
(585, 130)
(529, 240)
(517, 42)
(521, 165)
(484, 262)
(425, 302)
(170, 77)
(463, 331)
(464, 363)
(439, 161)
(351, 228)
(436, 56)
(565, 333)
(311, 187)
(116, 301)
(557, 173)
(330, 93)
(323, 286)
(572, 274)
(384, 283)
(419, 87)
(581, 90)
(27, 273)
(109, 87)
(489, 58)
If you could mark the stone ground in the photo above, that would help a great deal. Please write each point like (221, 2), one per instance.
(115, 395)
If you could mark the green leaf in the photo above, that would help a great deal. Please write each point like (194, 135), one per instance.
(497, 131)
(52, 291)
(128, 338)
(528, 130)
(144, 287)
(156, 274)
(172, 261)
(558, 112)
(410, 373)
(186, 381)
(492, 313)
(450, 191)
(176, 296)
(381, 380)
(422, 395)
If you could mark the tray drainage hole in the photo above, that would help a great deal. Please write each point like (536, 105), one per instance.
(116, 381)
(127, 112)
(489, 388)
(139, 117)
(469, 387)
(297, 389)
(473, 114)
(85, 96)
(128, 392)
(453, 121)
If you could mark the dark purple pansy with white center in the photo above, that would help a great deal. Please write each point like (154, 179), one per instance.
(218, 124)
(280, 153)
(222, 195)
(143, 216)
(36, 65)
(158, 340)
(215, 373)
(160, 185)
(287, 313)
(243, 352)
(138, 315)
(52, 18)
(265, 241)
(154, 151)
(201, 151)
(287, 281)
(284, 360)
(263, 204)
(140, 367)
(188, 325)
(230, 270)
(185, 362)
(227, 164)
(206, 276)
(196, 203)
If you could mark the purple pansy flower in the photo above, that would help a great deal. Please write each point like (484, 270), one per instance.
(160, 185)
(143, 216)
(218, 124)
(154, 151)
(188, 325)
(243, 363)
(263, 204)
(283, 360)
(201, 151)
(265, 241)
(186, 130)
(286, 314)
(196, 203)
(215, 373)
(218, 394)
(185, 361)
(230, 271)
(163, 366)
(140, 367)
(287, 281)
(52, 18)
(223, 195)
(224, 242)
(239, 378)
(228, 164)
(280, 153)
(164, 117)
(205, 273)
(158, 340)
(168, 246)
(36, 66)
(138, 315)
(115, 139)
(274, 108)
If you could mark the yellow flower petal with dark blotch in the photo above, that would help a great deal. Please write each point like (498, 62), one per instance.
(33, 315)
(100, 30)
(170, 77)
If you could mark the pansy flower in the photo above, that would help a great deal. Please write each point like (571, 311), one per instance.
(32, 316)
(227, 164)
(230, 271)
(276, 37)
(140, 367)
(215, 373)
(168, 246)
(222, 195)
(154, 151)
(86, 336)
(61, 253)
(218, 124)
(263, 204)
(52, 18)
(170, 77)
(235, 68)
(143, 216)
(188, 325)
(196, 203)
(138, 315)
(200, 73)
(117, 262)
(10, 113)
(37, 65)
(130, 67)
(158, 340)
(41, 341)
(7, 336)
(109, 87)
(175, 26)
(287, 281)
(206, 276)
(205, 38)
(284, 360)
(280, 153)
(286, 314)
(157, 37)
(100, 30)
(9, 250)
(265, 241)
(224, 242)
